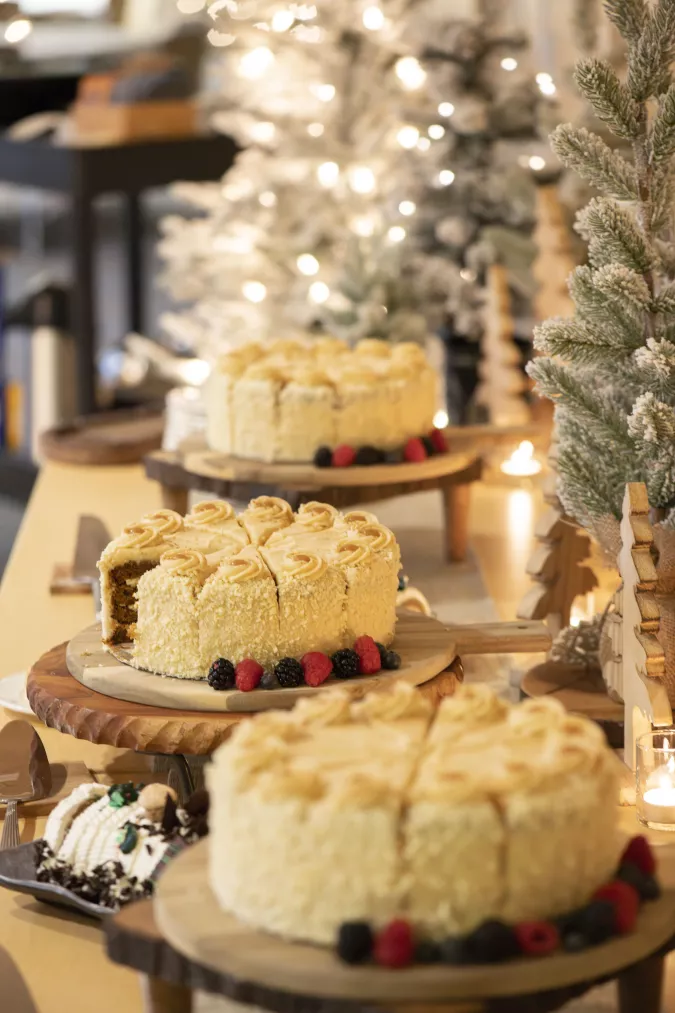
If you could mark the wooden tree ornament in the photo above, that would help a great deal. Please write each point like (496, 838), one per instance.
(555, 261)
(502, 381)
(557, 566)
(643, 667)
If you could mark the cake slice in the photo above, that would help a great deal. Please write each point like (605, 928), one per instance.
(216, 517)
(167, 629)
(256, 414)
(306, 416)
(265, 515)
(371, 586)
(238, 611)
(312, 598)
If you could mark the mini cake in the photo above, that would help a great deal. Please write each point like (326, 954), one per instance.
(108, 845)
(265, 585)
(284, 401)
(386, 809)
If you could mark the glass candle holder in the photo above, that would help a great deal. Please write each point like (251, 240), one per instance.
(655, 779)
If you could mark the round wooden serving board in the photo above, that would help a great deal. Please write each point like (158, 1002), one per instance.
(61, 702)
(190, 919)
(425, 645)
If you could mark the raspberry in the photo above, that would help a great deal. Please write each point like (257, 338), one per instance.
(626, 904)
(537, 939)
(414, 451)
(248, 674)
(369, 655)
(437, 437)
(639, 852)
(323, 458)
(317, 667)
(394, 945)
(343, 456)
(221, 674)
(355, 942)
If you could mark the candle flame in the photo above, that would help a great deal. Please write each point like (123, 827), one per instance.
(522, 461)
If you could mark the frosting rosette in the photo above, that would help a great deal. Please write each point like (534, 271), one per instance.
(308, 377)
(140, 536)
(472, 705)
(288, 347)
(374, 347)
(329, 708)
(231, 366)
(352, 552)
(378, 537)
(263, 371)
(329, 346)
(316, 516)
(209, 512)
(270, 508)
(401, 701)
(357, 518)
(409, 351)
(166, 522)
(240, 569)
(184, 562)
(361, 790)
(304, 565)
(359, 377)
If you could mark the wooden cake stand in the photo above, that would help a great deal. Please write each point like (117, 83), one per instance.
(184, 941)
(194, 466)
(64, 703)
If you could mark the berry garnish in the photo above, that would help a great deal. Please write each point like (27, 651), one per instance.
(492, 942)
(221, 674)
(595, 921)
(646, 886)
(369, 656)
(248, 674)
(414, 450)
(346, 664)
(289, 673)
(393, 456)
(394, 945)
(537, 939)
(625, 901)
(427, 952)
(574, 941)
(428, 444)
(639, 852)
(402, 582)
(323, 458)
(368, 455)
(437, 437)
(455, 950)
(317, 667)
(355, 942)
(269, 680)
(343, 456)
(391, 661)
(381, 648)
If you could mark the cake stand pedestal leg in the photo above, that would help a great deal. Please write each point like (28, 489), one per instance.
(456, 500)
(175, 498)
(180, 774)
(164, 997)
(641, 986)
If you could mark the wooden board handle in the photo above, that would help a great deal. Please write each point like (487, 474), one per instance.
(519, 637)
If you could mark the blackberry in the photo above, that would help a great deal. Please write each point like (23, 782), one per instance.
(394, 456)
(595, 922)
(427, 952)
(323, 458)
(368, 455)
(455, 950)
(269, 681)
(429, 445)
(355, 942)
(345, 664)
(492, 942)
(646, 886)
(289, 673)
(221, 674)
(390, 661)
(383, 650)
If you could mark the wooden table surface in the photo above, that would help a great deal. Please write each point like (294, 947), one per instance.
(61, 956)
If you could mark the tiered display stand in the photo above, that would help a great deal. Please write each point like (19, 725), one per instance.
(183, 941)
(194, 466)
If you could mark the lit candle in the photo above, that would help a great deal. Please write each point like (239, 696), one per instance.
(656, 791)
(522, 461)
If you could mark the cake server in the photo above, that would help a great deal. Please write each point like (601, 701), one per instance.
(25, 774)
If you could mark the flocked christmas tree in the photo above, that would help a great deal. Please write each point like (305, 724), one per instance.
(342, 125)
(611, 369)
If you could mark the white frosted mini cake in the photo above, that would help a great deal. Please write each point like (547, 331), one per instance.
(267, 584)
(385, 809)
(284, 401)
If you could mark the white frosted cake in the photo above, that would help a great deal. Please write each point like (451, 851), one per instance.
(108, 845)
(285, 400)
(385, 809)
(265, 585)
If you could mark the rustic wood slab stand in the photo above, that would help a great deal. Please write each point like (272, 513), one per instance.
(183, 941)
(194, 466)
